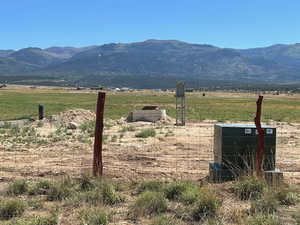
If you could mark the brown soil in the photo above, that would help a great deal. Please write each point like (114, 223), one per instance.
(174, 153)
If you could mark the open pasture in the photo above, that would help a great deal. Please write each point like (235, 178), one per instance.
(220, 106)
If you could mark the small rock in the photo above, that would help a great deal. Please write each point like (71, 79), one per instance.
(121, 121)
(72, 125)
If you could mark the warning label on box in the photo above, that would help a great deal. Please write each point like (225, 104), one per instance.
(247, 131)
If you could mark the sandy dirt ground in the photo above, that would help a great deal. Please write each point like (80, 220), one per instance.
(52, 150)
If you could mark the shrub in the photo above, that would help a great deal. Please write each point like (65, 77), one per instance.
(39, 188)
(151, 185)
(103, 192)
(129, 128)
(88, 126)
(286, 197)
(17, 187)
(190, 195)
(249, 188)
(35, 204)
(95, 217)
(268, 204)
(150, 132)
(93, 197)
(109, 195)
(114, 138)
(206, 206)
(260, 219)
(86, 183)
(175, 190)
(48, 220)
(150, 203)
(164, 220)
(296, 216)
(58, 192)
(11, 208)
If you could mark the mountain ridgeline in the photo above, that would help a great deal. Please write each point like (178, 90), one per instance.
(152, 64)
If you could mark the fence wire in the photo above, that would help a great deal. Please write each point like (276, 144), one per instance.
(173, 153)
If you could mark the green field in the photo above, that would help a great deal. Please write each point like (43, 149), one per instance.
(17, 105)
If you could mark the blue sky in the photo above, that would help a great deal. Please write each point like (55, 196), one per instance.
(224, 23)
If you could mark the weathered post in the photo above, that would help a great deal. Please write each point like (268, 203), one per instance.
(97, 161)
(41, 112)
(261, 135)
(180, 103)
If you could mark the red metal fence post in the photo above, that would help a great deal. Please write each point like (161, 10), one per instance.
(97, 161)
(261, 135)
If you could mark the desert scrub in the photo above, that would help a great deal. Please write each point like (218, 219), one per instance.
(207, 205)
(37, 220)
(149, 203)
(287, 197)
(86, 183)
(88, 127)
(11, 208)
(59, 191)
(174, 191)
(40, 124)
(39, 188)
(249, 188)
(110, 196)
(17, 187)
(149, 132)
(129, 128)
(260, 219)
(95, 217)
(35, 204)
(266, 205)
(114, 138)
(150, 185)
(164, 220)
(98, 192)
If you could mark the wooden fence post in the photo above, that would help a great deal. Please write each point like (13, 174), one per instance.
(261, 136)
(97, 161)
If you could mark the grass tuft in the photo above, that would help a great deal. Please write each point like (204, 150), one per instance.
(249, 188)
(11, 208)
(150, 203)
(59, 192)
(175, 190)
(151, 185)
(109, 195)
(17, 187)
(287, 197)
(267, 205)
(86, 183)
(95, 217)
(39, 188)
(150, 132)
(206, 206)
(164, 220)
(260, 219)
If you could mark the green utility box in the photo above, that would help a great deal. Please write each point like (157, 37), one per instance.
(235, 146)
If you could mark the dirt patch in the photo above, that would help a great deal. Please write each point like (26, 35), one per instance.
(78, 116)
(173, 153)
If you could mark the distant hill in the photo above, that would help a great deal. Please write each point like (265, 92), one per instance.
(67, 52)
(157, 63)
(10, 66)
(5, 53)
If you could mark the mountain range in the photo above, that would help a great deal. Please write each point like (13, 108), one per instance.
(151, 64)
